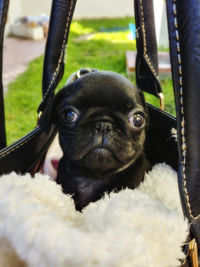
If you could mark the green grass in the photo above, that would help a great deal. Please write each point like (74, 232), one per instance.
(89, 46)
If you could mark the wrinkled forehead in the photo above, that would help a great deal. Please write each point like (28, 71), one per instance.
(103, 90)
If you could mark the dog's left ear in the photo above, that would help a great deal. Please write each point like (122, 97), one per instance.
(49, 114)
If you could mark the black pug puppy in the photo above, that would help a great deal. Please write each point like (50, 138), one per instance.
(101, 119)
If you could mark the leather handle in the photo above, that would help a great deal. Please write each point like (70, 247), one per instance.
(184, 34)
(60, 21)
(3, 15)
(146, 61)
(147, 55)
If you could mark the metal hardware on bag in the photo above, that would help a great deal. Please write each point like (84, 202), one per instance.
(78, 74)
(39, 115)
(162, 100)
(82, 72)
(193, 252)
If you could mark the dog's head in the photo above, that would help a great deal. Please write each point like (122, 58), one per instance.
(101, 120)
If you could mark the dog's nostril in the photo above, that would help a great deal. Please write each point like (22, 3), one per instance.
(108, 127)
(103, 127)
(98, 127)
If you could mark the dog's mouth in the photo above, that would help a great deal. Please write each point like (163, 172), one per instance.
(105, 155)
(99, 159)
(102, 153)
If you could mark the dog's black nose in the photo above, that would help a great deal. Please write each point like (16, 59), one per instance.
(103, 127)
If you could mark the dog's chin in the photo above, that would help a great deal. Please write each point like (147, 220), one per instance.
(102, 161)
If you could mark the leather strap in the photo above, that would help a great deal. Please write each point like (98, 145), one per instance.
(23, 155)
(61, 16)
(184, 34)
(3, 16)
(147, 56)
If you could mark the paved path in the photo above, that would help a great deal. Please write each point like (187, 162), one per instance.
(17, 54)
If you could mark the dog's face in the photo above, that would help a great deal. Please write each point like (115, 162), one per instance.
(101, 121)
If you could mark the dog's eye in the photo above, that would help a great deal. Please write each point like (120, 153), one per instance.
(70, 116)
(136, 120)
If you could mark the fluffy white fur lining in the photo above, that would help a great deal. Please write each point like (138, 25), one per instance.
(40, 227)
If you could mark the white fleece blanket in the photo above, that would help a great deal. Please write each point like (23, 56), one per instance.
(40, 227)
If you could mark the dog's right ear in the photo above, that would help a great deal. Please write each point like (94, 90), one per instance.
(49, 114)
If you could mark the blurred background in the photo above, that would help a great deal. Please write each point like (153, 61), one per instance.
(91, 9)
(102, 36)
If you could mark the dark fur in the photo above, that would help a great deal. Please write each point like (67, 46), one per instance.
(102, 152)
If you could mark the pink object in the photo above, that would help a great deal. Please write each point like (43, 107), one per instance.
(55, 163)
(53, 156)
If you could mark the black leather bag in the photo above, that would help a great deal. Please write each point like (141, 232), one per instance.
(17, 157)
(26, 154)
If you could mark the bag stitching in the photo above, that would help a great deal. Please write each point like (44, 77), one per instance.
(62, 52)
(52, 80)
(8, 152)
(183, 138)
(21, 144)
(144, 39)
(141, 76)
